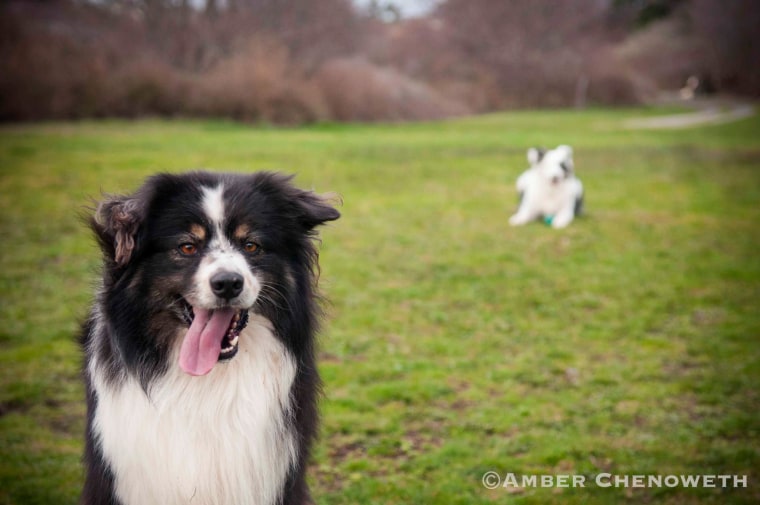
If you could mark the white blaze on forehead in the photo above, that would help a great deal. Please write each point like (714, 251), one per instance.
(213, 206)
(220, 256)
(557, 156)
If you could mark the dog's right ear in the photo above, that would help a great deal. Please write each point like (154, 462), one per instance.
(535, 155)
(116, 222)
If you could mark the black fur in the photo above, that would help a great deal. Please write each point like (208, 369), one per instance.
(578, 209)
(143, 278)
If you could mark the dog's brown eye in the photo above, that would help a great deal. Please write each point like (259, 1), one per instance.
(250, 247)
(188, 249)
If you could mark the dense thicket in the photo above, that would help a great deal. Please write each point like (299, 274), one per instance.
(295, 61)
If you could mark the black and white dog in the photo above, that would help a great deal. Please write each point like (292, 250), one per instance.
(200, 368)
(549, 189)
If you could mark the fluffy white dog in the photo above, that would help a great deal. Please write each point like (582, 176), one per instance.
(549, 188)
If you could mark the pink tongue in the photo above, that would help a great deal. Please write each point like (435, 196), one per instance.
(203, 341)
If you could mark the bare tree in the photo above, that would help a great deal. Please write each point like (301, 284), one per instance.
(727, 31)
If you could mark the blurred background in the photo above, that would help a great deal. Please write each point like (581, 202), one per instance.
(295, 62)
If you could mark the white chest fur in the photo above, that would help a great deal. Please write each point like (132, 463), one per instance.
(550, 199)
(219, 438)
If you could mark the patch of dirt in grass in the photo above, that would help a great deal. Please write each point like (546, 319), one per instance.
(326, 357)
(343, 451)
(416, 441)
(708, 317)
(69, 420)
(11, 406)
(413, 442)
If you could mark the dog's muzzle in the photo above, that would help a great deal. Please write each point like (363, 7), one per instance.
(230, 341)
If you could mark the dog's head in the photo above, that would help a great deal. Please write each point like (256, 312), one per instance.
(201, 250)
(554, 165)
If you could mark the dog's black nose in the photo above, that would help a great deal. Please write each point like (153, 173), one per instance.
(227, 285)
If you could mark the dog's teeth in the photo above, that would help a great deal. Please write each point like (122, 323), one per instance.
(234, 342)
(236, 318)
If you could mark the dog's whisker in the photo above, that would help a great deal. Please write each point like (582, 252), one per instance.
(268, 289)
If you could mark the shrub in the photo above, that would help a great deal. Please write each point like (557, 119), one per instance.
(356, 90)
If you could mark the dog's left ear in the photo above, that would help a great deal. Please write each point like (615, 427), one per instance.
(116, 222)
(316, 209)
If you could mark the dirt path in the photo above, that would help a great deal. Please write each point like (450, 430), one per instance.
(708, 115)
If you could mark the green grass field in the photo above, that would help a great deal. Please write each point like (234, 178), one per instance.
(628, 343)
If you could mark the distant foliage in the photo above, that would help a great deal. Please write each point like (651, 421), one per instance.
(356, 90)
(728, 36)
(252, 60)
(713, 40)
(295, 61)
